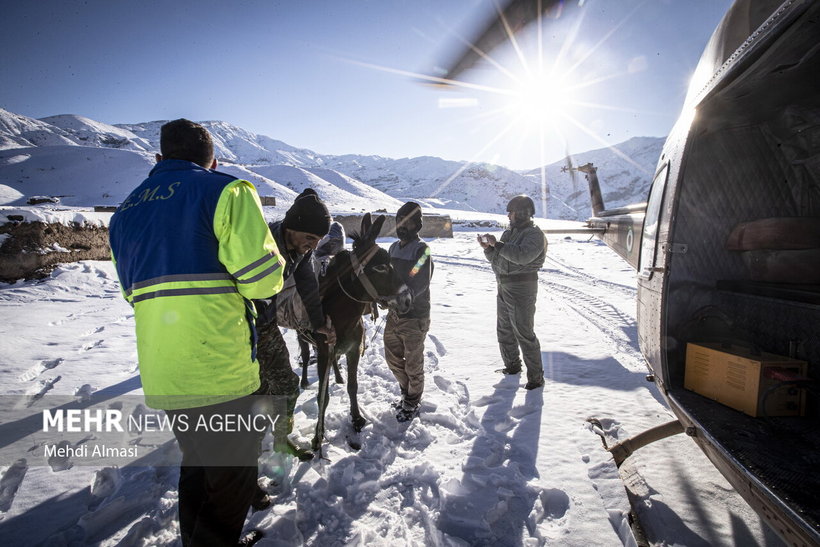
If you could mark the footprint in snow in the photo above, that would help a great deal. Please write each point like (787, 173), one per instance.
(443, 383)
(42, 387)
(523, 410)
(60, 463)
(67, 318)
(453, 386)
(39, 368)
(432, 360)
(10, 482)
(83, 393)
(106, 481)
(552, 505)
(88, 347)
(440, 349)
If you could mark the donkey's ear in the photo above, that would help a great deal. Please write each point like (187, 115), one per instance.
(366, 223)
(377, 227)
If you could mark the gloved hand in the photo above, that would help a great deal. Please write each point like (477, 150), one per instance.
(328, 331)
(486, 240)
(401, 302)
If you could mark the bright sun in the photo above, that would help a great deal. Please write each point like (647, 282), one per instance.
(540, 98)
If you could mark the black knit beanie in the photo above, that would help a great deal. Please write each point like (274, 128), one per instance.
(410, 211)
(308, 214)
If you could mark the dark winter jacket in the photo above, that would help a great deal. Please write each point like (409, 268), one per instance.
(414, 265)
(301, 267)
(519, 254)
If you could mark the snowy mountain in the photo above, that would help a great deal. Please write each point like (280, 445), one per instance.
(624, 171)
(18, 131)
(36, 156)
(457, 185)
(87, 132)
(236, 145)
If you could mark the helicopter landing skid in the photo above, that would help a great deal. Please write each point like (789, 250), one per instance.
(621, 451)
(634, 484)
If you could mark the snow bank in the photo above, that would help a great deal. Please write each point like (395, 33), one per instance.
(67, 216)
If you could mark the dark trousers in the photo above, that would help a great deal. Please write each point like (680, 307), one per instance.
(217, 476)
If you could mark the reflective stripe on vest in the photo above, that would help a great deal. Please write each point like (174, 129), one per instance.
(277, 263)
(181, 285)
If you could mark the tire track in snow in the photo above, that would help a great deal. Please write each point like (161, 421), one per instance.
(573, 272)
(604, 317)
(564, 270)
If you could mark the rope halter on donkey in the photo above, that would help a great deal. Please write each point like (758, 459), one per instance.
(401, 301)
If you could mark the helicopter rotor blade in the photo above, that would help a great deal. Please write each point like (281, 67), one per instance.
(509, 20)
(571, 169)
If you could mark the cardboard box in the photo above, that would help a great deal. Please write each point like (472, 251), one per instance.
(738, 378)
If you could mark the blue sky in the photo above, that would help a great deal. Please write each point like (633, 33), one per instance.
(332, 75)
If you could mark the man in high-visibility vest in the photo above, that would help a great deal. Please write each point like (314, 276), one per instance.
(192, 249)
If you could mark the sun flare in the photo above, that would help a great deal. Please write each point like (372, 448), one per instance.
(536, 95)
(540, 98)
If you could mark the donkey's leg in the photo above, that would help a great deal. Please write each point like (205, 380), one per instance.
(323, 368)
(353, 389)
(304, 382)
(339, 379)
(304, 350)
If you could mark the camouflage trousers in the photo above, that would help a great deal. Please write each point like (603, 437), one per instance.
(277, 379)
(404, 352)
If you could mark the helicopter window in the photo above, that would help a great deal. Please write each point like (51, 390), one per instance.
(650, 227)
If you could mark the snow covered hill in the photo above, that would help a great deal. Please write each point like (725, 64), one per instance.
(235, 145)
(80, 176)
(458, 185)
(347, 183)
(87, 132)
(624, 172)
(18, 131)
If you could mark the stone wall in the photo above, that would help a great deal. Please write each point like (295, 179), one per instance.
(432, 225)
(31, 250)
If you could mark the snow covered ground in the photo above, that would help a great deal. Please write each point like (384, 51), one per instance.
(487, 462)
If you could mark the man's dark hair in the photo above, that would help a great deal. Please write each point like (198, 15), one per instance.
(185, 140)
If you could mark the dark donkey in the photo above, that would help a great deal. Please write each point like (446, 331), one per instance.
(354, 281)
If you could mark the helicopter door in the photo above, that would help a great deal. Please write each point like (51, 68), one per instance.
(651, 275)
(649, 241)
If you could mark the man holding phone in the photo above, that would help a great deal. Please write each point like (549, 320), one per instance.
(516, 259)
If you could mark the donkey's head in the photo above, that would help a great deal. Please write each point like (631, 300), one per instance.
(371, 268)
